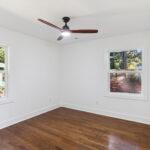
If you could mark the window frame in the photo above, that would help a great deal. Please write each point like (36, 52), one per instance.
(144, 85)
(5, 71)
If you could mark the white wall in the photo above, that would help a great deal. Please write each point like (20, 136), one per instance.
(42, 75)
(33, 77)
(83, 77)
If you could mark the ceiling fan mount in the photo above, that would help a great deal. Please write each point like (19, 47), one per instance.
(65, 30)
(66, 19)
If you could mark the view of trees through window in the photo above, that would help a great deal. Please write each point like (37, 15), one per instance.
(125, 71)
(2, 72)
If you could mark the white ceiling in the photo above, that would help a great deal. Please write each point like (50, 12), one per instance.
(111, 17)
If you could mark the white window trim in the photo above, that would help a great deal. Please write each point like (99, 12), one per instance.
(6, 99)
(144, 74)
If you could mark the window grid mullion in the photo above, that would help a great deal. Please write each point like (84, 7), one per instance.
(125, 71)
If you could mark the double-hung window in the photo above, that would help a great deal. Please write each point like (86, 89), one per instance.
(125, 72)
(3, 72)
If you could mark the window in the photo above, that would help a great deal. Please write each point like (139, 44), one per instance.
(3, 72)
(125, 72)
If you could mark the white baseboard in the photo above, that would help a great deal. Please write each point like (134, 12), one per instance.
(18, 119)
(139, 119)
(15, 120)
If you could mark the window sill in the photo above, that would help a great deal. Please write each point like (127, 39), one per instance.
(6, 101)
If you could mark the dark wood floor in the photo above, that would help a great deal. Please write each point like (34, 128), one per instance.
(66, 129)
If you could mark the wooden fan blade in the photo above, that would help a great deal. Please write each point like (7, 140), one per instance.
(84, 31)
(60, 38)
(50, 24)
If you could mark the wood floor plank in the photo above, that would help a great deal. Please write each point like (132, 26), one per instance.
(66, 129)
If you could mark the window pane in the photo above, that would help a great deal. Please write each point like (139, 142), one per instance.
(126, 60)
(134, 60)
(2, 85)
(116, 60)
(125, 82)
(2, 58)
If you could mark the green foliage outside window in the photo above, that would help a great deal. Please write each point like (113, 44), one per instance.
(116, 60)
(127, 60)
(2, 75)
(134, 60)
(2, 57)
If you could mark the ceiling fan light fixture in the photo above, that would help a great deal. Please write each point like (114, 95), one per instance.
(65, 33)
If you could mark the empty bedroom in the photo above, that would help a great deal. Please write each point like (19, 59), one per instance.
(74, 75)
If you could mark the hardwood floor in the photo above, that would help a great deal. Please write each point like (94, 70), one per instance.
(66, 129)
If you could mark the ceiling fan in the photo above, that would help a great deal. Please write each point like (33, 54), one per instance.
(65, 30)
